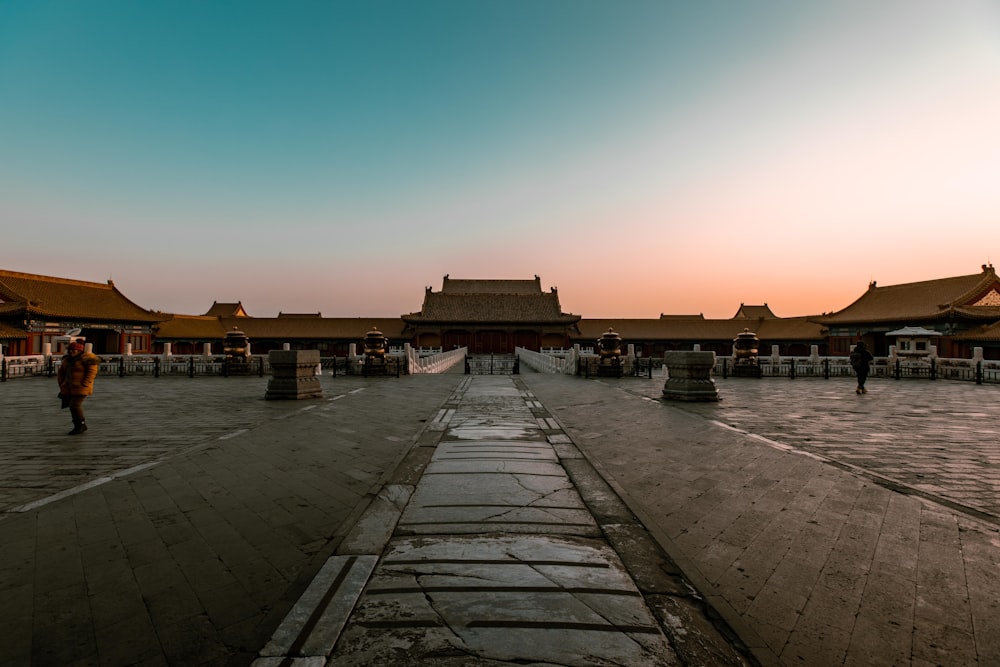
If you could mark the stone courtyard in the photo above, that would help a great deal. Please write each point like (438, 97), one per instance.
(819, 527)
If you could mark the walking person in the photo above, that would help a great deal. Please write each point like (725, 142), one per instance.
(76, 382)
(861, 360)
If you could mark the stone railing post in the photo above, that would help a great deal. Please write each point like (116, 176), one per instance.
(293, 375)
(569, 363)
(690, 376)
(547, 363)
(435, 363)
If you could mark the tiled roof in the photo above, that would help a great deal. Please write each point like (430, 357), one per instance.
(461, 286)
(191, 327)
(13, 307)
(280, 314)
(791, 328)
(539, 307)
(64, 298)
(920, 301)
(983, 334)
(489, 301)
(333, 328)
(978, 312)
(697, 329)
(227, 310)
(200, 327)
(8, 332)
(699, 316)
(754, 313)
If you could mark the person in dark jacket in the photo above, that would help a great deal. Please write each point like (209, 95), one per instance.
(861, 360)
(76, 382)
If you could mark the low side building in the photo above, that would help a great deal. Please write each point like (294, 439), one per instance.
(332, 336)
(794, 336)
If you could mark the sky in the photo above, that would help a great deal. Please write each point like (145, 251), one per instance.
(641, 157)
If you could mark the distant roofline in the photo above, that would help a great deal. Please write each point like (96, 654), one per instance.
(65, 281)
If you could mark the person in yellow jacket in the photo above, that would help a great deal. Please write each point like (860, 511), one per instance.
(76, 382)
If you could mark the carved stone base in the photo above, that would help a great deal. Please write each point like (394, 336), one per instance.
(609, 369)
(690, 376)
(293, 375)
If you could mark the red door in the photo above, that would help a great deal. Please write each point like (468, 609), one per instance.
(492, 342)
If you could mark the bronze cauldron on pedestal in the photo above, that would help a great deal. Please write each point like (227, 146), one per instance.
(236, 346)
(376, 360)
(609, 346)
(609, 352)
(375, 344)
(745, 348)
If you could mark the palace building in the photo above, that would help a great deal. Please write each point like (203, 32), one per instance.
(491, 316)
(964, 310)
(35, 310)
(495, 317)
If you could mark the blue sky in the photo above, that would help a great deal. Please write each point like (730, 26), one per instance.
(644, 157)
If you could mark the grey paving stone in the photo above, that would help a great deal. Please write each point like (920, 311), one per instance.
(899, 486)
(556, 595)
(213, 503)
(849, 554)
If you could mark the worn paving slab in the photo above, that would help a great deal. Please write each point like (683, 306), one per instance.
(183, 526)
(502, 598)
(496, 559)
(819, 544)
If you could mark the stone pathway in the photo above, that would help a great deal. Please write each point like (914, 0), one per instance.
(495, 558)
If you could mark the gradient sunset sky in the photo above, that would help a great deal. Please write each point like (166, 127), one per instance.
(643, 157)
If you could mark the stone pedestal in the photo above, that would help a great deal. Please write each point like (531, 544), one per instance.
(293, 375)
(690, 376)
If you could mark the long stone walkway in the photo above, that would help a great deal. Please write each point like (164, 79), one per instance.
(494, 558)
